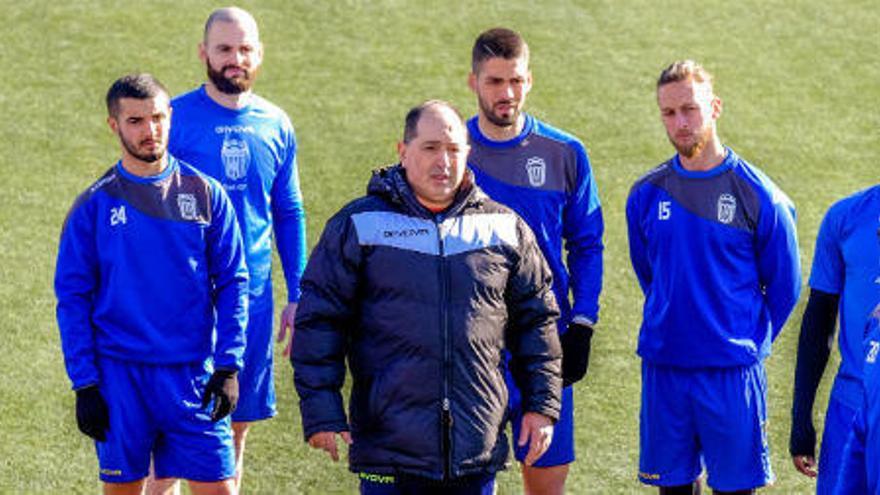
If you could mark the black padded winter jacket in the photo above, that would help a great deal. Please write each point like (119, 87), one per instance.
(422, 305)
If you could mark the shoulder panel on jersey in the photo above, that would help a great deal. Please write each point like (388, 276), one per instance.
(182, 196)
(651, 176)
(538, 162)
(760, 183)
(109, 176)
(575, 145)
(725, 198)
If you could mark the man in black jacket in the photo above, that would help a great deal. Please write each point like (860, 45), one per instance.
(420, 285)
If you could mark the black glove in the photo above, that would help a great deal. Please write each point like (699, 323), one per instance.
(223, 388)
(575, 352)
(92, 416)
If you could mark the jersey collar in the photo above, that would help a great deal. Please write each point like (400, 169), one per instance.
(478, 137)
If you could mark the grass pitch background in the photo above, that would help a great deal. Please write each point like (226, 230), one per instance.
(800, 81)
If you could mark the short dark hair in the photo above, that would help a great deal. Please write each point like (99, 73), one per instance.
(411, 124)
(498, 42)
(138, 86)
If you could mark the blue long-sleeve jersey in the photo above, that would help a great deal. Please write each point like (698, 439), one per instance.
(544, 175)
(252, 152)
(860, 467)
(143, 265)
(845, 263)
(716, 256)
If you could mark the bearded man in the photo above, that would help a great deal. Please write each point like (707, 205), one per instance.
(248, 144)
(713, 244)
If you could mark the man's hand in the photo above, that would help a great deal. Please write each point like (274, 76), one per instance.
(326, 440)
(575, 352)
(223, 388)
(287, 317)
(806, 464)
(537, 431)
(92, 415)
(802, 444)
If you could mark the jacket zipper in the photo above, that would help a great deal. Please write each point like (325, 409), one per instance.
(446, 414)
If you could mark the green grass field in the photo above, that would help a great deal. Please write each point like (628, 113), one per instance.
(800, 81)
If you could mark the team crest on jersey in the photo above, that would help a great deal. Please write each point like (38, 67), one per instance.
(872, 352)
(187, 204)
(236, 157)
(726, 208)
(537, 170)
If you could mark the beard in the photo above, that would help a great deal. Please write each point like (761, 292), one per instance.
(499, 120)
(231, 85)
(696, 147)
(149, 157)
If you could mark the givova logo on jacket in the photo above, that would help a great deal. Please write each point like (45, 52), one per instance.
(236, 157)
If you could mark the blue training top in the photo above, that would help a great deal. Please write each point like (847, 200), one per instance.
(544, 175)
(252, 152)
(143, 264)
(716, 256)
(846, 263)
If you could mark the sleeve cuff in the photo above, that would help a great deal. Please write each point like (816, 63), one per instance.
(583, 320)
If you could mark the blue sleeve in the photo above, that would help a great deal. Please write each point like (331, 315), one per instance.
(828, 269)
(76, 282)
(289, 220)
(229, 276)
(778, 258)
(582, 228)
(638, 245)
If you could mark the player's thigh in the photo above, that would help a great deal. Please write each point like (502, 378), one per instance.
(731, 413)
(125, 455)
(561, 450)
(545, 480)
(225, 487)
(838, 424)
(669, 452)
(129, 488)
(190, 445)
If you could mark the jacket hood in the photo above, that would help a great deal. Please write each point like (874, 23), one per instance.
(389, 183)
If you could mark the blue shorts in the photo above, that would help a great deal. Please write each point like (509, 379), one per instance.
(383, 484)
(561, 450)
(156, 410)
(712, 417)
(256, 383)
(838, 424)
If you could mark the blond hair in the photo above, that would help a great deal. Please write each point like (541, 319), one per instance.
(684, 70)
